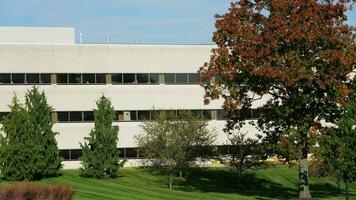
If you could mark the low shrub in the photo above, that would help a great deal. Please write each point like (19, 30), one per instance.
(30, 191)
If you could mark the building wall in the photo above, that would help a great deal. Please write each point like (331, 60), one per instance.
(76, 58)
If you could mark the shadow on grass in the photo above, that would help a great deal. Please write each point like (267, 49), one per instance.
(222, 180)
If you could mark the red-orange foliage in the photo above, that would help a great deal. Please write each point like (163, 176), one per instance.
(299, 52)
(30, 191)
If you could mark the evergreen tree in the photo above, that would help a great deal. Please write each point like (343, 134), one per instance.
(100, 155)
(40, 116)
(19, 156)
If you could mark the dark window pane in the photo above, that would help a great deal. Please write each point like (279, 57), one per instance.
(116, 78)
(129, 78)
(88, 116)
(142, 78)
(18, 78)
(75, 78)
(75, 116)
(193, 78)
(88, 78)
(32, 78)
(131, 152)
(63, 116)
(133, 115)
(75, 154)
(221, 115)
(169, 78)
(5, 78)
(64, 154)
(143, 115)
(100, 78)
(207, 114)
(154, 78)
(62, 78)
(181, 79)
(3, 115)
(45, 78)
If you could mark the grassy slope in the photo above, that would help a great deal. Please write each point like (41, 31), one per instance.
(200, 183)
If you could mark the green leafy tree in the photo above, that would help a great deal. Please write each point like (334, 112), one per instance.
(19, 158)
(100, 157)
(338, 146)
(41, 122)
(245, 153)
(172, 141)
(295, 54)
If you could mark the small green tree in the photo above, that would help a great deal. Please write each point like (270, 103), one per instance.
(244, 152)
(338, 146)
(41, 122)
(172, 141)
(19, 156)
(100, 155)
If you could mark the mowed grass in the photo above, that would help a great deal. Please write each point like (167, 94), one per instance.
(276, 182)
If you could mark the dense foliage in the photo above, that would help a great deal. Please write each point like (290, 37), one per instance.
(172, 141)
(338, 145)
(100, 157)
(295, 54)
(28, 148)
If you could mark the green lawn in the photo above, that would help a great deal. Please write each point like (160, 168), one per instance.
(200, 183)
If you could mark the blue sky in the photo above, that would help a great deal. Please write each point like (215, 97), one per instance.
(152, 21)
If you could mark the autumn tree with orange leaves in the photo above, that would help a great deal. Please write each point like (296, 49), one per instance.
(298, 53)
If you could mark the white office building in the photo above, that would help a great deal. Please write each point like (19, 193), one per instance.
(137, 79)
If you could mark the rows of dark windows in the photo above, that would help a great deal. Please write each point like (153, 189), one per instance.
(81, 78)
(99, 78)
(143, 115)
(133, 115)
(134, 153)
(21, 78)
(75, 154)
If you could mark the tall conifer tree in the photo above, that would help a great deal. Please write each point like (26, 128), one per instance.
(100, 155)
(40, 116)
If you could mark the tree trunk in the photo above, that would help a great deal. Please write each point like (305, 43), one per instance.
(303, 171)
(170, 181)
(347, 189)
(180, 174)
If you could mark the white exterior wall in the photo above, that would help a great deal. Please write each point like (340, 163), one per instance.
(36, 35)
(77, 58)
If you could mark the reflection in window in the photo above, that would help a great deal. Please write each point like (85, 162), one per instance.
(18, 78)
(75, 78)
(142, 78)
(75, 154)
(154, 78)
(45, 78)
(100, 78)
(32, 78)
(75, 116)
(207, 114)
(88, 78)
(221, 115)
(63, 116)
(5, 78)
(129, 78)
(193, 78)
(143, 115)
(116, 78)
(131, 152)
(169, 79)
(64, 154)
(181, 78)
(88, 116)
(62, 78)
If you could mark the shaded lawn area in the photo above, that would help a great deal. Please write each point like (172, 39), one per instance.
(277, 182)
